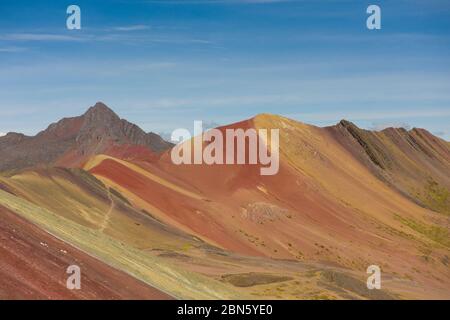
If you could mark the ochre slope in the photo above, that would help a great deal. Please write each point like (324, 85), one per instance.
(325, 204)
(364, 213)
(414, 162)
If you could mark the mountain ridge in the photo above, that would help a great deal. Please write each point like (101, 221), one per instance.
(344, 198)
(74, 139)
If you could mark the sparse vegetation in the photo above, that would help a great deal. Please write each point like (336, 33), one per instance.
(432, 232)
(437, 197)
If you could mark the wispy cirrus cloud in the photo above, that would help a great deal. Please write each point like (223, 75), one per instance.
(12, 49)
(39, 37)
(85, 69)
(137, 27)
(121, 37)
(219, 101)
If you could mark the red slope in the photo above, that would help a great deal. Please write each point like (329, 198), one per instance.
(34, 263)
(178, 207)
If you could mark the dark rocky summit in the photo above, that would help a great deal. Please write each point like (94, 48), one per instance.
(94, 132)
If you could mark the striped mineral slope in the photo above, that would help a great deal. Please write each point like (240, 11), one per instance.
(326, 204)
(34, 264)
(343, 199)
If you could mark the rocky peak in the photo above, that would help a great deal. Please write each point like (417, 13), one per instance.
(100, 114)
(95, 132)
(101, 124)
(102, 128)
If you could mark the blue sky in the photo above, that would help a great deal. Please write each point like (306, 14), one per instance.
(163, 64)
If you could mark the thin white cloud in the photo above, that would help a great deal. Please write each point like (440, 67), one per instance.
(137, 27)
(237, 101)
(12, 49)
(39, 37)
(105, 68)
(121, 37)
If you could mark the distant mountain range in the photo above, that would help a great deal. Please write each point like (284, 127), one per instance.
(98, 191)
